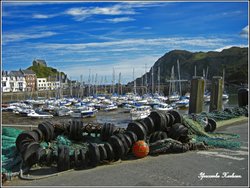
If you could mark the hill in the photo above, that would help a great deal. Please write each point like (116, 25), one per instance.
(45, 72)
(234, 60)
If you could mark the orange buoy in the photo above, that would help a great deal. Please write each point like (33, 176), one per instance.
(140, 149)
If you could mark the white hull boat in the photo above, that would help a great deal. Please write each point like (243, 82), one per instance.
(39, 115)
(140, 112)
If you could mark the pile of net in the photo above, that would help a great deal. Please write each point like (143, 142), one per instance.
(227, 113)
(74, 144)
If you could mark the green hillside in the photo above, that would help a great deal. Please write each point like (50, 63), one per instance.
(234, 60)
(45, 72)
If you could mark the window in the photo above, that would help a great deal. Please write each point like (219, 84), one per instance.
(39, 80)
(4, 84)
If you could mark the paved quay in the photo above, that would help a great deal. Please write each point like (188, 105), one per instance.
(164, 170)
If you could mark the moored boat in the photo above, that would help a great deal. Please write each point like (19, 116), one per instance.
(39, 114)
(162, 107)
(140, 112)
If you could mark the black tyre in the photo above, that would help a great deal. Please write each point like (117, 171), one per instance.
(177, 116)
(66, 158)
(29, 156)
(138, 129)
(159, 120)
(103, 153)
(208, 127)
(28, 135)
(60, 159)
(150, 124)
(124, 142)
(39, 134)
(118, 147)
(94, 154)
(177, 130)
(107, 131)
(110, 151)
(132, 136)
(159, 135)
(128, 140)
(144, 126)
(83, 161)
(213, 124)
(46, 131)
(76, 159)
(171, 120)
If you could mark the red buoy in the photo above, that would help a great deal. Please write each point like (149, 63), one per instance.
(140, 149)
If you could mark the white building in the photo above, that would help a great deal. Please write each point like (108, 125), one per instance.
(17, 81)
(43, 84)
(5, 82)
(53, 85)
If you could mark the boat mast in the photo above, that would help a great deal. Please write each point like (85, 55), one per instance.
(146, 81)
(134, 80)
(179, 75)
(89, 83)
(70, 87)
(105, 82)
(96, 87)
(101, 84)
(119, 85)
(92, 85)
(223, 80)
(158, 79)
(142, 84)
(113, 80)
(81, 86)
(152, 79)
(172, 83)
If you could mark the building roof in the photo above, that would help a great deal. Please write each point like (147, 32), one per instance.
(5, 73)
(16, 73)
(27, 71)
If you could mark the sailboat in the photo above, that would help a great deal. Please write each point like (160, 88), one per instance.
(173, 94)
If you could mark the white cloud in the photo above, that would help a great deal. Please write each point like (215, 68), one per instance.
(173, 42)
(81, 13)
(245, 31)
(40, 16)
(14, 37)
(122, 19)
(44, 16)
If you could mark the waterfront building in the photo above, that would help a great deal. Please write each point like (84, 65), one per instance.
(30, 77)
(41, 84)
(53, 85)
(17, 81)
(5, 82)
(44, 84)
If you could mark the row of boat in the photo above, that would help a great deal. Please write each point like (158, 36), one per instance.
(139, 107)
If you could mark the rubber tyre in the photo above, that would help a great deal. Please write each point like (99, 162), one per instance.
(110, 151)
(138, 129)
(118, 147)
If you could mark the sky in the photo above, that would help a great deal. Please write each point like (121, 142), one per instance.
(95, 38)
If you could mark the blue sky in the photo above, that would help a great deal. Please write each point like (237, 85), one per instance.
(83, 37)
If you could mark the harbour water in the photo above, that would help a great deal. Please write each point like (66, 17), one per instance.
(117, 117)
